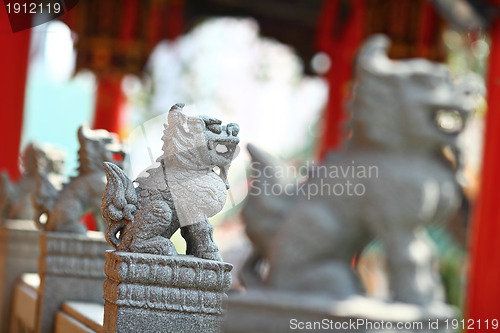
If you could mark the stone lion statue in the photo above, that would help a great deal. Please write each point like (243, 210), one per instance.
(388, 183)
(82, 194)
(15, 198)
(181, 191)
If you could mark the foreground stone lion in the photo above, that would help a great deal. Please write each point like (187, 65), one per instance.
(183, 191)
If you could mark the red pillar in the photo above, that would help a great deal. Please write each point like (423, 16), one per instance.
(340, 33)
(175, 18)
(109, 103)
(483, 294)
(14, 65)
(428, 30)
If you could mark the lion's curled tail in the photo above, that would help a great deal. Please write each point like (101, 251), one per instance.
(263, 212)
(118, 202)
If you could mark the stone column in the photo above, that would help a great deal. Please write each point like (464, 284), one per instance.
(18, 255)
(71, 267)
(153, 293)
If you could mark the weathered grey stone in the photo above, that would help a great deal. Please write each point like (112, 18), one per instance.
(15, 198)
(153, 293)
(82, 194)
(182, 191)
(71, 268)
(18, 255)
(308, 236)
(268, 311)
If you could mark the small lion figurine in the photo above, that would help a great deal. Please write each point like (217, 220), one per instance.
(15, 198)
(82, 194)
(183, 191)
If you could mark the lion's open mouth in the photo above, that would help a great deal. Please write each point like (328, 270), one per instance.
(118, 153)
(225, 149)
(449, 121)
(221, 149)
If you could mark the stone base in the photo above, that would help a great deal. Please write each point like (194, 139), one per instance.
(152, 293)
(71, 268)
(18, 255)
(273, 311)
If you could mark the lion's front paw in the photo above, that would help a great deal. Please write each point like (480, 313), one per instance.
(156, 245)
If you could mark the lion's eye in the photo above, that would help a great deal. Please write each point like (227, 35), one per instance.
(216, 128)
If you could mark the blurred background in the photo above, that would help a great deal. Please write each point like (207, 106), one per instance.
(279, 68)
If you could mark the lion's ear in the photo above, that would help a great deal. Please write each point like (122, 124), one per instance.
(83, 133)
(372, 56)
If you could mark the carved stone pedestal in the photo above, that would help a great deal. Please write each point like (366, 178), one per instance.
(274, 311)
(18, 255)
(71, 269)
(153, 293)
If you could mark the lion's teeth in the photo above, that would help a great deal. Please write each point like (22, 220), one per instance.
(210, 145)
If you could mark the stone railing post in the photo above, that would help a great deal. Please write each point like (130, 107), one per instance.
(18, 255)
(146, 292)
(71, 267)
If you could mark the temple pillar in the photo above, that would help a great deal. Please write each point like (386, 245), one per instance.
(484, 273)
(14, 64)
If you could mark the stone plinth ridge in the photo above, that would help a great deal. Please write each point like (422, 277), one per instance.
(71, 255)
(173, 283)
(71, 267)
(20, 243)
